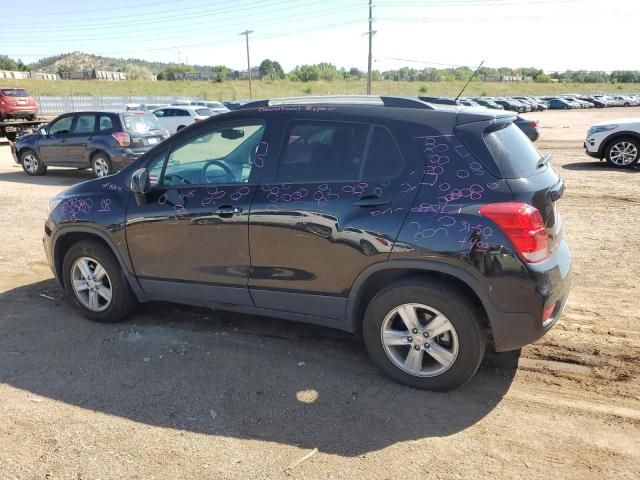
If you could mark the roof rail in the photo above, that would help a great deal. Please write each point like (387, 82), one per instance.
(365, 100)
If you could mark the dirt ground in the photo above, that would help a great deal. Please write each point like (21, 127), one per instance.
(176, 392)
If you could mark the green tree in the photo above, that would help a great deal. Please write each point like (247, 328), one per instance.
(271, 69)
(7, 63)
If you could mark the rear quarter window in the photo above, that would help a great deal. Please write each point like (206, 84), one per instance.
(513, 152)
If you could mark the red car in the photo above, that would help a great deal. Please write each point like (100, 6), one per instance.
(17, 103)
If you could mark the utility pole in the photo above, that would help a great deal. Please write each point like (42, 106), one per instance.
(371, 33)
(246, 35)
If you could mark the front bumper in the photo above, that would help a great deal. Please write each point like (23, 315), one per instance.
(14, 152)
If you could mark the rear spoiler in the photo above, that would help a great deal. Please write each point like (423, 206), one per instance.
(476, 114)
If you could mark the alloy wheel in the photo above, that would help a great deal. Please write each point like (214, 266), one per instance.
(101, 167)
(91, 284)
(623, 153)
(30, 163)
(419, 340)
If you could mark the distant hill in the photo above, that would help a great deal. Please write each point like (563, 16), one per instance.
(78, 61)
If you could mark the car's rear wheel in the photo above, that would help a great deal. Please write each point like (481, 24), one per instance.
(101, 165)
(623, 152)
(31, 163)
(424, 334)
(95, 282)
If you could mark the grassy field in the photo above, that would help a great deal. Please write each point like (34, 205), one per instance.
(239, 89)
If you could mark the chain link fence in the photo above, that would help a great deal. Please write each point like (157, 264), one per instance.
(72, 103)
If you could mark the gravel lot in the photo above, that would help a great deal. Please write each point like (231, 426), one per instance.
(176, 392)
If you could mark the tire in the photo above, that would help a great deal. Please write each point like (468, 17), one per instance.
(31, 117)
(31, 163)
(11, 136)
(623, 152)
(627, 104)
(122, 300)
(464, 342)
(101, 165)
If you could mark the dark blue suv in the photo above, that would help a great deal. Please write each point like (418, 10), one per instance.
(429, 232)
(103, 141)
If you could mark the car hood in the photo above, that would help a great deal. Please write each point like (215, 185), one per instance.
(618, 121)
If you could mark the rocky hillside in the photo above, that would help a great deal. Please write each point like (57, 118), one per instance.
(78, 61)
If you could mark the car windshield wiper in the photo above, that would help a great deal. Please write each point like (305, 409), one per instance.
(544, 160)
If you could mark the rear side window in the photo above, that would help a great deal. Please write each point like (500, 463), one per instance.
(105, 123)
(513, 152)
(85, 124)
(337, 151)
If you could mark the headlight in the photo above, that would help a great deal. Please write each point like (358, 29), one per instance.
(53, 203)
(601, 128)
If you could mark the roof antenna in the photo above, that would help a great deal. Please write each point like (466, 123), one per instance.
(467, 84)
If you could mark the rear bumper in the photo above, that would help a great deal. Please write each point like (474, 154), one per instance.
(121, 159)
(20, 111)
(548, 285)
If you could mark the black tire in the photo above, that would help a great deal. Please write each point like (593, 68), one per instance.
(618, 141)
(448, 300)
(11, 136)
(123, 300)
(101, 164)
(31, 117)
(627, 104)
(31, 163)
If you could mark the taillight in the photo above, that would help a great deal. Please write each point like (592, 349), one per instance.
(523, 225)
(197, 119)
(123, 138)
(547, 313)
(533, 124)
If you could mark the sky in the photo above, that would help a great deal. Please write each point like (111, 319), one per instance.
(555, 35)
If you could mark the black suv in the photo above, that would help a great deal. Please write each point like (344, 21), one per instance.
(428, 233)
(103, 141)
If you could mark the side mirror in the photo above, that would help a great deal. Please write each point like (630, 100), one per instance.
(140, 185)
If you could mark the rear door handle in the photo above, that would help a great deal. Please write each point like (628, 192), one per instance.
(227, 211)
(370, 201)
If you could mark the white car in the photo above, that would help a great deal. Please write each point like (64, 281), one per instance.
(216, 107)
(175, 118)
(617, 141)
(622, 101)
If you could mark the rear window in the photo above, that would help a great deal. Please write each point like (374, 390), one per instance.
(204, 112)
(142, 123)
(14, 92)
(513, 152)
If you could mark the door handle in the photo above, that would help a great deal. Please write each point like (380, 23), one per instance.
(227, 211)
(370, 201)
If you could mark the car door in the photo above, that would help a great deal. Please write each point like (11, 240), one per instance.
(165, 119)
(78, 139)
(334, 207)
(189, 241)
(53, 146)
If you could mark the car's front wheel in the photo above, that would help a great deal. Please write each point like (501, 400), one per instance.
(623, 152)
(31, 163)
(424, 334)
(95, 283)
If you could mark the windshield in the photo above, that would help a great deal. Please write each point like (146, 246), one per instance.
(15, 92)
(513, 152)
(142, 123)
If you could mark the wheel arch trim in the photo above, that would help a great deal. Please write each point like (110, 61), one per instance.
(359, 286)
(612, 137)
(121, 258)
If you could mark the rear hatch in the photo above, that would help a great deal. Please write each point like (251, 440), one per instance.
(508, 154)
(145, 130)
